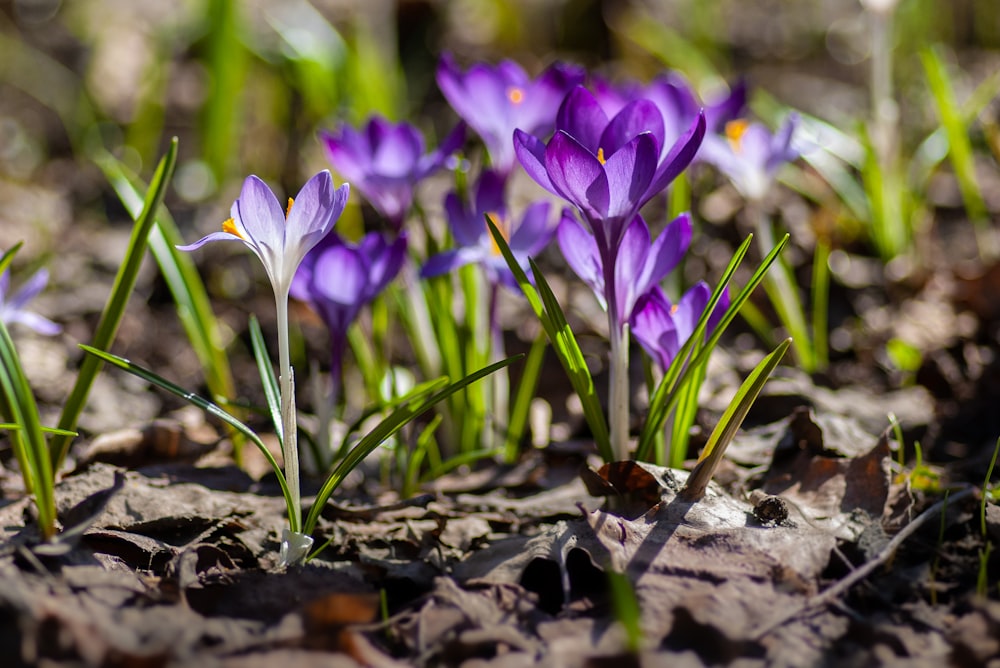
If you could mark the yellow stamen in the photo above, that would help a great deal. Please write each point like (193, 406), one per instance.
(504, 231)
(289, 209)
(515, 95)
(600, 155)
(229, 225)
(734, 133)
(674, 308)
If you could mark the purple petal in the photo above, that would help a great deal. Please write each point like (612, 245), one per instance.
(578, 175)
(214, 236)
(465, 224)
(580, 250)
(580, 116)
(260, 214)
(636, 118)
(30, 289)
(679, 157)
(534, 232)
(530, 153)
(315, 211)
(689, 309)
(629, 172)
(653, 327)
(630, 263)
(449, 260)
(666, 252)
(385, 263)
(535, 114)
(436, 159)
(396, 149)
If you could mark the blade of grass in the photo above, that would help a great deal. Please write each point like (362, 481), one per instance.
(389, 426)
(272, 393)
(666, 394)
(561, 337)
(725, 430)
(521, 408)
(115, 307)
(8, 256)
(202, 403)
(959, 146)
(28, 440)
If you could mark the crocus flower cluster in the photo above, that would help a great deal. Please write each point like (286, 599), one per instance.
(13, 308)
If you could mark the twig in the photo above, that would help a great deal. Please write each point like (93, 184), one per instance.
(833, 592)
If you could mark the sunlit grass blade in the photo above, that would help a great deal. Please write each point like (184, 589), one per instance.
(411, 471)
(226, 61)
(404, 414)
(28, 440)
(725, 430)
(889, 224)
(8, 256)
(520, 409)
(820, 301)
(107, 327)
(666, 393)
(959, 146)
(547, 309)
(626, 609)
(272, 393)
(45, 430)
(205, 405)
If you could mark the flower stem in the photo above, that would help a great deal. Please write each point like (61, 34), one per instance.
(618, 409)
(289, 435)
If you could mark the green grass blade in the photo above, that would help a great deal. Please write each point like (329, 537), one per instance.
(389, 426)
(272, 393)
(666, 393)
(821, 304)
(115, 307)
(725, 430)
(202, 403)
(8, 256)
(521, 408)
(226, 61)
(29, 441)
(553, 320)
(959, 146)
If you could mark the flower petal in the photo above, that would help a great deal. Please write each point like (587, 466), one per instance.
(530, 151)
(534, 232)
(679, 157)
(580, 250)
(629, 172)
(581, 117)
(577, 175)
(635, 118)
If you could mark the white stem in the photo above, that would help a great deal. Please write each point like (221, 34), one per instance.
(618, 409)
(289, 441)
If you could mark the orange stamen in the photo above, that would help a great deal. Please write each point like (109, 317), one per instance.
(734, 133)
(229, 225)
(600, 155)
(289, 209)
(515, 95)
(674, 308)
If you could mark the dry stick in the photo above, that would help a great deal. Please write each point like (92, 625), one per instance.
(835, 591)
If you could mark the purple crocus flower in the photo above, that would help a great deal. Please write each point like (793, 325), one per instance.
(750, 155)
(281, 238)
(473, 238)
(640, 265)
(607, 168)
(13, 310)
(662, 328)
(337, 279)
(496, 100)
(386, 160)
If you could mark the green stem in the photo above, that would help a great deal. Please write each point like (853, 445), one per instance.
(618, 388)
(289, 440)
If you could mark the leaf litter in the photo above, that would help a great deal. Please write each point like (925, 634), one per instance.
(172, 564)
